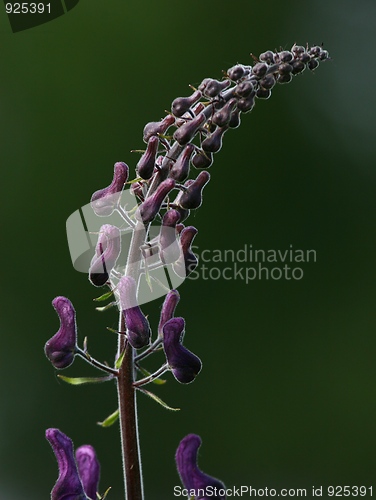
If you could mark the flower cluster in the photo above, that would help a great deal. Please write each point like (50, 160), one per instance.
(165, 191)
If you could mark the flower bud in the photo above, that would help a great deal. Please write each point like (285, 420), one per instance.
(186, 132)
(297, 67)
(151, 206)
(88, 469)
(285, 56)
(213, 143)
(169, 248)
(188, 260)
(284, 69)
(146, 164)
(244, 89)
(237, 72)
(235, 117)
(192, 196)
(184, 365)
(202, 159)
(260, 69)
(61, 348)
(107, 251)
(211, 88)
(312, 64)
(191, 476)
(105, 200)
(180, 170)
(168, 309)
(68, 486)
(138, 328)
(181, 105)
(267, 57)
(155, 128)
(245, 104)
(268, 81)
(263, 93)
(222, 117)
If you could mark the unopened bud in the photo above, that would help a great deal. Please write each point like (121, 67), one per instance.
(180, 169)
(105, 201)
(192, 196)
(169, 248)
(156, 128)
(151, 206)
(146, 164)
(181, 105)
(107, 251)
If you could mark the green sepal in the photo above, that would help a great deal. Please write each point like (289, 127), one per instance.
(137, 179)
(110, 420)
(158, 381)
(103, 297)
(85, 380)
(157, 399)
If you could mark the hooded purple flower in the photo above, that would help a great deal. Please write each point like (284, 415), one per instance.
(185, 365)
(88, 469)
(107, 251)
(61, 348)
(198, 484)
(138, 327)
(105, 200)
(73, 484)
(168, 309)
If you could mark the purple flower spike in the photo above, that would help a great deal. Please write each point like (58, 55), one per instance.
(168, 309)
(151, 206)
(193, 479)
(185, 365)
(138, 328)
(88, 469)
(105, 200)
(61, 348)
(68, 486)
(107, 252)
(169, 247)
(188, 261)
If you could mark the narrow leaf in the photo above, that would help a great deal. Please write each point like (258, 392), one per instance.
(103, 297)
(110, 420)
(119, 361)
(158, 400)
(85, 380)
(158, 381)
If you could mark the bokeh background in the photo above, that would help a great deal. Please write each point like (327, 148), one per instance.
(286, 397)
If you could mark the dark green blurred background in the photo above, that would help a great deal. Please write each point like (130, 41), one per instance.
(287, 394)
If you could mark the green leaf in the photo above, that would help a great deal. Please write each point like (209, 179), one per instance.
(110, 420)
(119, 361)
(157, 399)
(106, 307)
(85, 380)
(157, 381)
(103, 297)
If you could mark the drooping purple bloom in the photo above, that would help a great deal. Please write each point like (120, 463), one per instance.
(61, 348)
(192, 196)
(169, 246)
(107, 251)
(198, 484)
(105, 200)
(185, 365)
(168, 309)
(188, 261)
(69, 485)
(88, 469)
(151, 206)
(146, 164)
(138, 328)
